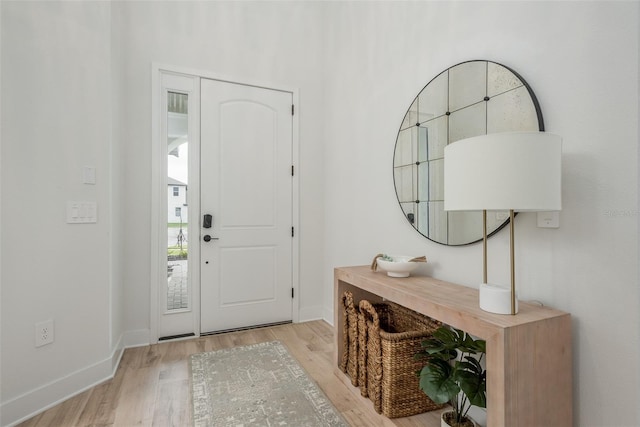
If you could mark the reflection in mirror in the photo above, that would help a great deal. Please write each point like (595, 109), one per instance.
(469, 99)
(177, 179)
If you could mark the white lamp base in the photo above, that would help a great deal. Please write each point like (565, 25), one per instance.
(496, 299)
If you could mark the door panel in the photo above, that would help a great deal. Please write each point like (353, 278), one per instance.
(246, 185)
(248, 162)
(233, 271)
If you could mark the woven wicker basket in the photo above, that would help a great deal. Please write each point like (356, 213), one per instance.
(394, 335)
(365, 377)
(349, 362)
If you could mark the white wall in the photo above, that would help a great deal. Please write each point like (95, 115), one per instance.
(581, 59)
(117, 192)
(274, 43)
(56, 118)
(76, 90)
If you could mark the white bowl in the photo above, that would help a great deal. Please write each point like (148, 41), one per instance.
(399, 267)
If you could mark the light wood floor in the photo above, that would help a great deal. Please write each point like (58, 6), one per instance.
(151, 386)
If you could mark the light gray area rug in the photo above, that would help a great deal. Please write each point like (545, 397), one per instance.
(257, 385)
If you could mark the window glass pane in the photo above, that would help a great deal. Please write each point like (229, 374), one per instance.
(178, 294)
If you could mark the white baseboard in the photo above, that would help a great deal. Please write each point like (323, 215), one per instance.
(307, 314)
(116, 355)
(327, 315)
(318, 312)
(136, 338)
(31, 403)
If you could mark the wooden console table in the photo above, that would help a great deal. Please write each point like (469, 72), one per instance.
(529, 362)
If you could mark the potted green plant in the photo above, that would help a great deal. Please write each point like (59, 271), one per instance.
(453, 373)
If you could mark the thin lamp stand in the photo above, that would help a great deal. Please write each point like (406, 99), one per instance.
(511, 250)
(484, 246)
(513, 263)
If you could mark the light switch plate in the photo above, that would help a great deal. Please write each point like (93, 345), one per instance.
(89, 175)
(549, 219)
(82, 212)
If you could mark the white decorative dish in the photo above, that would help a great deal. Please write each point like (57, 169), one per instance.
(398, 266)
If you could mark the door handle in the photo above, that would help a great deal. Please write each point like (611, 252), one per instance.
(208, 238)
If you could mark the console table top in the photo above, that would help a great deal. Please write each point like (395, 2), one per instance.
(450, 303)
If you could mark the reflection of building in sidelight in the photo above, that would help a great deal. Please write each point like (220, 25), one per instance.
(176, 201)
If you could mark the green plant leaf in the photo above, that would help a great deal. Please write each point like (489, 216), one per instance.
(437, 383)
(435, 347)
(468, 344)
(452, 366)
(448, 337)
(481, 346)
(472, 364)
(474, 386)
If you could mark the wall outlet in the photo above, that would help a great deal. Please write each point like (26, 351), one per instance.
(44, 333)
(549, 219)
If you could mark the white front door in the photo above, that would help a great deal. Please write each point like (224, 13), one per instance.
(246, 180)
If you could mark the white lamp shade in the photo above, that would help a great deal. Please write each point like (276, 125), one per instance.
(502, 171)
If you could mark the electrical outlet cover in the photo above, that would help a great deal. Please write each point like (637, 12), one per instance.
(548, 219)
(44, 333)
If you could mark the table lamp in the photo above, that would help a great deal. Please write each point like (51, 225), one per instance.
(514, 171)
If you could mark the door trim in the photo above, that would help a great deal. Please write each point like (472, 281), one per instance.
(157, 264)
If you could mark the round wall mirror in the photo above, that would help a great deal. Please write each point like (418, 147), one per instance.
(469, 99)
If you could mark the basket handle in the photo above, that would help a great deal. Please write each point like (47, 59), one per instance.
(373, 353)
(347, 306)
(347, 301)
(369, 312)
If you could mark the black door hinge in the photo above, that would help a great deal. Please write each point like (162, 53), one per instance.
(293, 109)
(291, 170)
(292, 234)
(291, 292)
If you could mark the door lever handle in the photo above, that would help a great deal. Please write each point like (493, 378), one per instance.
(208, 238)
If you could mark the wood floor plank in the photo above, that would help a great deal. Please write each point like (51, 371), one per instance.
(63, 414)
(101, 406)
(151, 386)
(172, 407)
(137, 399)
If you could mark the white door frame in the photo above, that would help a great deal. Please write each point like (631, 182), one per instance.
(180, 321)
(158, 245)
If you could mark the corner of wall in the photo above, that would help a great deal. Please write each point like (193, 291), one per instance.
(31, 403)
(307, 314)
(27, 405)
(136, 338)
